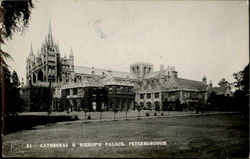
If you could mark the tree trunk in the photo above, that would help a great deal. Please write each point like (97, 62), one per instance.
(126, 114)
(101, 117)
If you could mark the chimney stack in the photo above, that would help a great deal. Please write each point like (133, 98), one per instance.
(204, 79)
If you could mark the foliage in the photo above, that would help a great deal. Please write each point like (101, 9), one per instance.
(15, 79)
(16, 15)
(223, 83)
(13, 100)
(12, 13)
(39, 98)
(242, 79)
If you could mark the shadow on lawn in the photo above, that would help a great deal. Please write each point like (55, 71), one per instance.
(24, 122)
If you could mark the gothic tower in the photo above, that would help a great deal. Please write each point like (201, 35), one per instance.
(140, 69)
(51, 57)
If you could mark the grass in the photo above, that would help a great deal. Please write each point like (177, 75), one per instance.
(207, 136)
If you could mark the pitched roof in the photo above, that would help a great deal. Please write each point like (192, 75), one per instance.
(98, 71)
(186, 83)
(219, 90)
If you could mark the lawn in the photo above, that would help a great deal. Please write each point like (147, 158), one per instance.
(206, 136)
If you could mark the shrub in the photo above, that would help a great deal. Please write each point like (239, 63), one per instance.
(89, 117)
(76, 117)
(162, 114)
(147, 114)
(155, 114)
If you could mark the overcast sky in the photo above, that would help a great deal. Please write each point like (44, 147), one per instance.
(197, 37)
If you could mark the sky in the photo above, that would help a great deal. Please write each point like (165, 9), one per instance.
(199, 38)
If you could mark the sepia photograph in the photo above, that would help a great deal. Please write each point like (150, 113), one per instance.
(124, 78)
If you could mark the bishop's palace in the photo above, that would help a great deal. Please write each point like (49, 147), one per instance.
(77, 87)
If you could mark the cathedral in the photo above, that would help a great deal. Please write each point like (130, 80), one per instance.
(75, 87)
(48, 64)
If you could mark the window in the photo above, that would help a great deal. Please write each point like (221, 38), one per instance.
(129, 90)
(67, 92)
(148, 95)
(156, 95)
(74, 91)
(141, 96)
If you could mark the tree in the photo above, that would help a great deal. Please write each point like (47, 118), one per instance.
(16, 15)
(126, 111)
(241, 95)
(15, 79)
(242, 79)
(139, 108)
(85, 108)
(115, 110)
(12, 13)
(101, 110)
(11, 95)
(223, 83)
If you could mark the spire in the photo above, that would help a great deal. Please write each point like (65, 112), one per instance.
(31, 50)
(50, 30)
(50, 38)
(71, 52)
(38, 53)
(57, 45)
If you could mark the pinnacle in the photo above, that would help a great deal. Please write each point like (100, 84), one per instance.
(31, 50)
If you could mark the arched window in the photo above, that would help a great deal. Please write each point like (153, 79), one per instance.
(40, 75)
(149, 69)
(144, 70)
(34, 78)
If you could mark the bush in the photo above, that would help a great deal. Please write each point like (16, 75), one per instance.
(89, 117)
(155, 114)
(162, 114)
(147, 114)
(76, 117)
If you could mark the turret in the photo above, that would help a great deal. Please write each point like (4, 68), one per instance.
(140, 69)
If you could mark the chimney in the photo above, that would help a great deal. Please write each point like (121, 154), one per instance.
(204, 79)
(211, 84)
(93, 70)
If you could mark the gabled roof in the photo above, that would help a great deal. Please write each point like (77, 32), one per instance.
(99, 72)
(219, 90)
